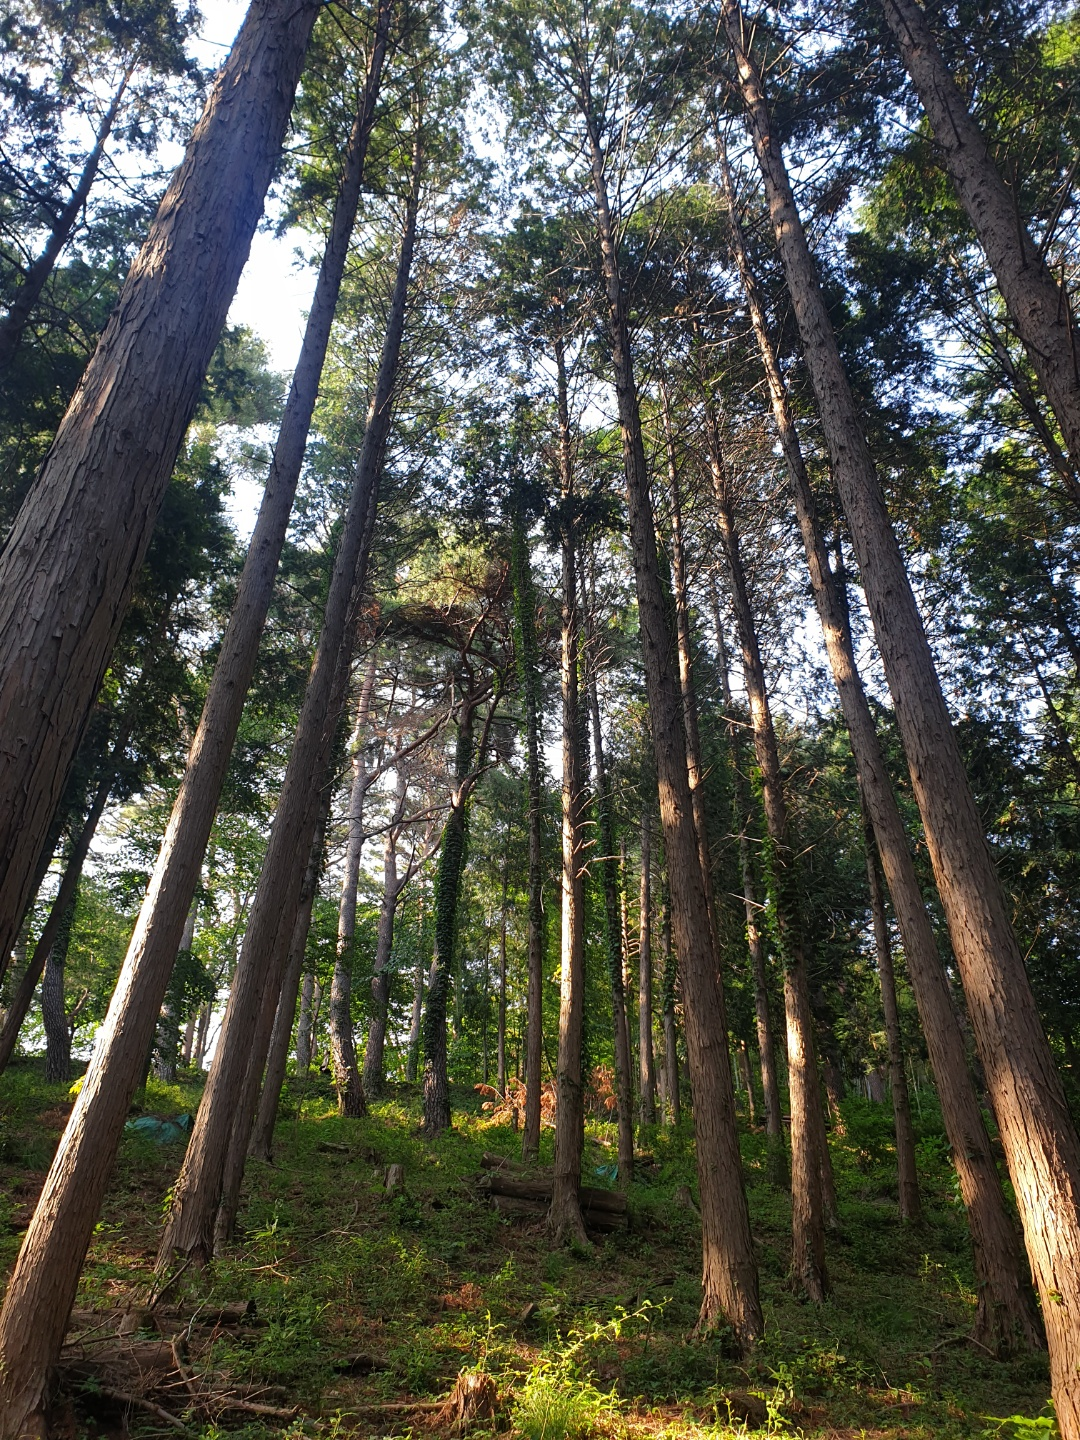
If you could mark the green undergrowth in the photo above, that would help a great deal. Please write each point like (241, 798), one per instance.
(365, 1301)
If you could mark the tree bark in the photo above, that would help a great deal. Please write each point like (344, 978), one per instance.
(1038, 305)
(14, 322)
(609, 876)
(528, 650)
(67, 570)
(729, 1275)
(1040, 1141)
(262, 957)
(907, 1177)
(347, 1082)
(262, 1136)
(412, 1062)
(564, 1217)
(808, 1147)
(770, 1083)
(672, 1096)
(374, 1062)
(304, 1023)
(647, 1084)
(167, 1038)
(500, 1037)
(53, 1010)
(447, 895)
(65, 898)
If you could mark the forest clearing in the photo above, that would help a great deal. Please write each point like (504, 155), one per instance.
(539, 864)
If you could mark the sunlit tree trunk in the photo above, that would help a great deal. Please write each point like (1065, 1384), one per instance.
(528, 665)
(564, 1218)
(350, 1091)
(262, 958)
(1038, 1135)
(729, 1274)
(1038, 306)
(67, 570)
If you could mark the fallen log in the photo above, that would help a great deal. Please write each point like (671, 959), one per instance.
(609, 1201)
(535, 1209)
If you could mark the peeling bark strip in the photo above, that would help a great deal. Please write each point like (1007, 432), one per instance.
(1038, 1135)
(1038, 305)
(69, 564)
(66, 577)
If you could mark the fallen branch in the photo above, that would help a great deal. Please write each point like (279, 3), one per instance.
(126, 1399)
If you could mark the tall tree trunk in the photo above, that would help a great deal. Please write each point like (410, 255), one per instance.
(26, 297)
(748, 1081)
(808, 1149)
(412, 1063)
(1005, 1318)
(305, 1023)
(729, 1275)
(672, 1096)
(67, 570)
(102, 480)
(907, 1177)
(202, 1035)
(1039, 1138)
(65, 898)
(647, 1087)
(262, 1135)
(374, 1061)
(447, 895)
(245, 1099)
(680, 585)
(262, 957)
(564, 1218)
(188, 1045)
(347, 1083)
(1038, 305)
(777, 1164)
(167, 1039)
(609, 876)
(500, 1040)
(529, 670)
(53, 1010)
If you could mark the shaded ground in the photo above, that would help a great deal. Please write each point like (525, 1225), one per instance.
(368, 1308)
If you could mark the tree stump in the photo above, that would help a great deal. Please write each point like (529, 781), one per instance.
(474, 1397)
(395, 1179)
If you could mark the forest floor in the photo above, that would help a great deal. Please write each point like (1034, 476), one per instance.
(367, 1308)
